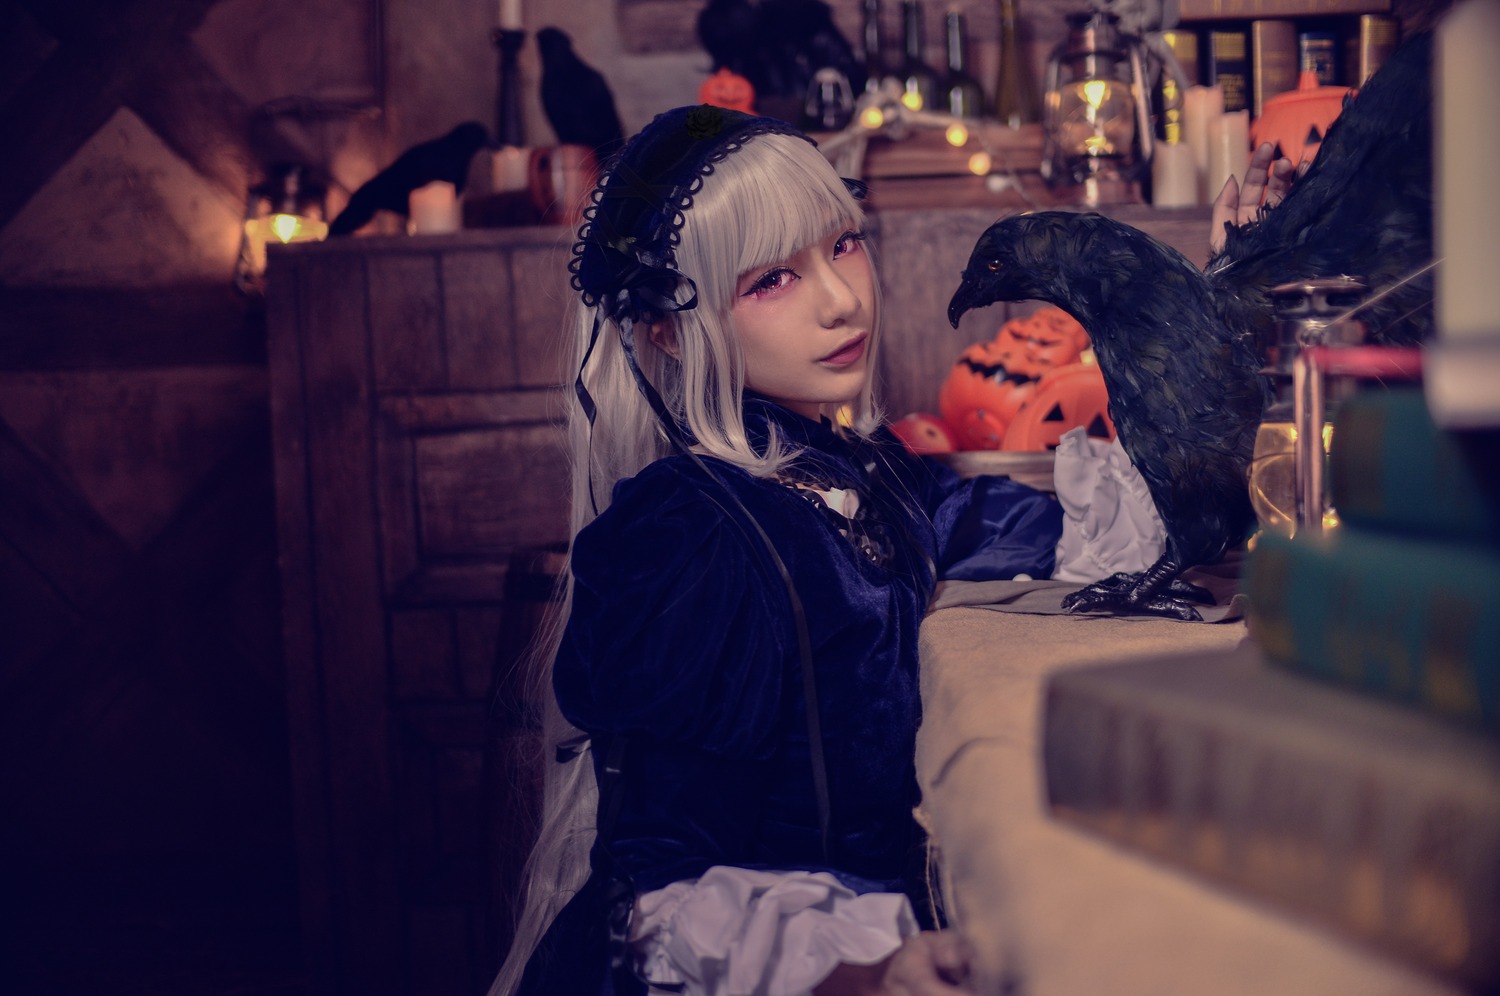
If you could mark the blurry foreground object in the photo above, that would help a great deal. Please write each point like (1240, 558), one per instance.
(1463, 365)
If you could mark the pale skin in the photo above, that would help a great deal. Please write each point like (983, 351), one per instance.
(1267, 181)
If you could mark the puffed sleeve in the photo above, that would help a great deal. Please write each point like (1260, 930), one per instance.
(672, 631)
(987, 528)
(994, 528)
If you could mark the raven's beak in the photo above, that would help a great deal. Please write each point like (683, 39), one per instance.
(963, 300)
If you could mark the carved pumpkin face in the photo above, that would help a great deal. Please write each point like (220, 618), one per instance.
(727, 89)
(1065, 398)
(1297, 120)
(993, 380)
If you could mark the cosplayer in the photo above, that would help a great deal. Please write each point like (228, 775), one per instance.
(752, 556)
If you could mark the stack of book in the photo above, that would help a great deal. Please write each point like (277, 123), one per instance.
(1402, 599)
(1357, 801)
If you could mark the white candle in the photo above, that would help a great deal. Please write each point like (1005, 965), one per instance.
(1174, 176)
(510, 15)
(509, 168)
(1462, 366)
(1200, 105)
(434, 209)
(1228, 150)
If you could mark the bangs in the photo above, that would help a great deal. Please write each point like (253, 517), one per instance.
(788, 198)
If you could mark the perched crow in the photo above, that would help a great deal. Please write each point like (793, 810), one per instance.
(1181, 351)
(445, 158)
(576, 97)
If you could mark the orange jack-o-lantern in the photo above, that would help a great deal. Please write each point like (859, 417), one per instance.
(728, 90)
(1065, 398)
(993, 380)
(1297, 120)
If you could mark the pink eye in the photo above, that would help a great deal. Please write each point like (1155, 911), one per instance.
(772, 281)
(847, 243)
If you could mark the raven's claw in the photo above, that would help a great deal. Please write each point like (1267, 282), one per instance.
(1156, 591)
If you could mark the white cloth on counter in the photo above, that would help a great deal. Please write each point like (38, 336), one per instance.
(738, 931)
(1110, 523)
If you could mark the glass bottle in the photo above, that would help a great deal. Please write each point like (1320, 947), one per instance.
(961, 91)
(1016, 100)
(919, 84)
(873, 40)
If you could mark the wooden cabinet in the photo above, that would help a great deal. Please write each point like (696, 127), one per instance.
(419, 469)
(417, 460)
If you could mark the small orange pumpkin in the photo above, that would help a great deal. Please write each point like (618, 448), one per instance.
(728, 90)
(923, 432)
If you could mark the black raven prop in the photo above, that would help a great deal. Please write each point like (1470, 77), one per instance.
(579, 104)
(1181, 351)
(445, 158)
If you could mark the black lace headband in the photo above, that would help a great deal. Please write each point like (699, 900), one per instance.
(625, 256)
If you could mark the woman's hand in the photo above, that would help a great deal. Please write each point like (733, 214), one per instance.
(1265, 180)
(932, 963)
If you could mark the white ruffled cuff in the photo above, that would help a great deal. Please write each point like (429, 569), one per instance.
(735, 931)
(1110, 523)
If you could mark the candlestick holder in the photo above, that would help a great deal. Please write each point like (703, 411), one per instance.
(509, 125)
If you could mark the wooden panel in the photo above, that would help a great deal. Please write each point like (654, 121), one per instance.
(461, 411)
(423, 655)
(489, 493)
(920, 255)
(405, 321)
(477, 631)
(659, 25)
(543, 300)
(341, 520)
(478, 320)
(397, 491)
(71, 328)
(53, 528)
(306, 745)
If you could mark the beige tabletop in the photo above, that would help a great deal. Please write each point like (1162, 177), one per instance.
(1069, 912)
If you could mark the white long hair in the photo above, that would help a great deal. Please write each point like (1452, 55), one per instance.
(760, 205)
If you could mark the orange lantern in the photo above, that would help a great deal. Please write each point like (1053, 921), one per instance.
(1297, 120)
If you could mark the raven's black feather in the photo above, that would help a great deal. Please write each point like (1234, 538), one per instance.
(577, 98)
(1181, 351)
(445, 158)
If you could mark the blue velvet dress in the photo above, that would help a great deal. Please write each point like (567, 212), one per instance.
(682, 640)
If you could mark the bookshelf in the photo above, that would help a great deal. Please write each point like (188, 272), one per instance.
(1256, 49)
